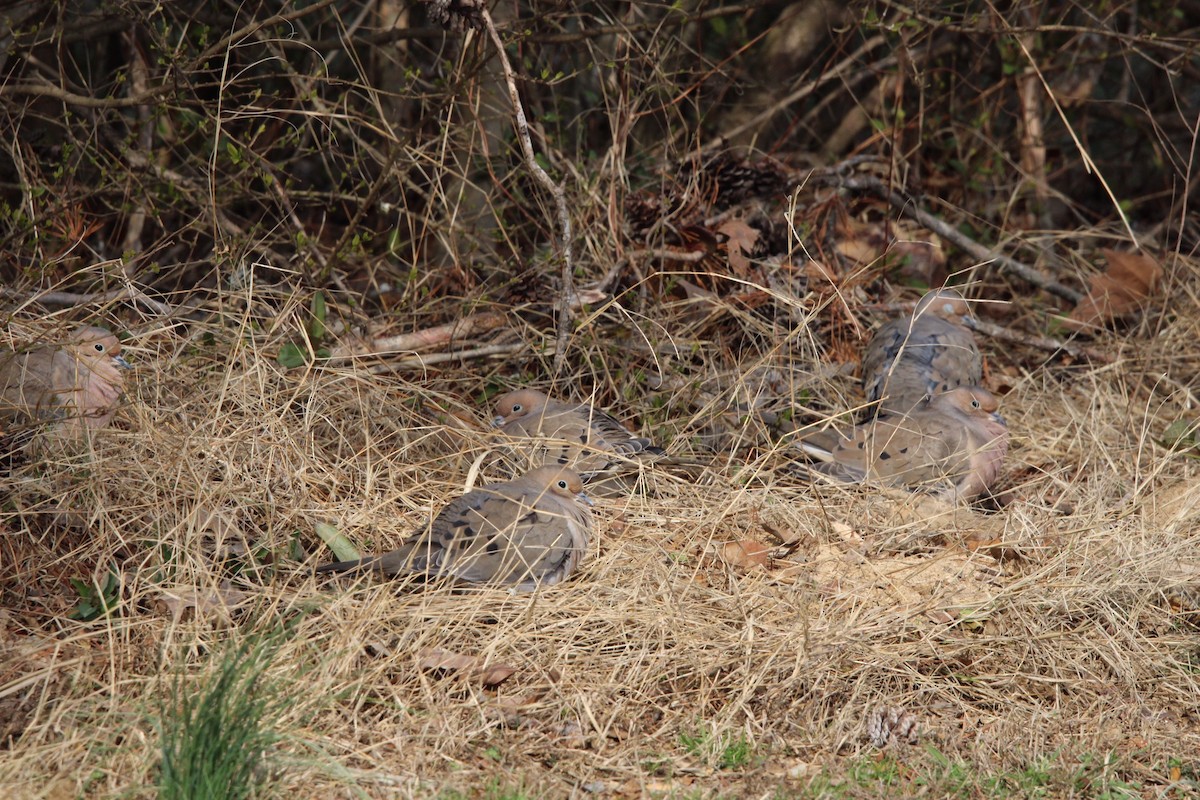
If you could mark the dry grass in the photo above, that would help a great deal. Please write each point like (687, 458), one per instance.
(1059, 630)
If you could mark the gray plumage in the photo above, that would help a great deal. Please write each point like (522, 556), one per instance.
(918, 356)
(529, 532)
(581, 437)
(954, 442)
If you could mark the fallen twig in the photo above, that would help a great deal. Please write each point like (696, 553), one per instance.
(357, 347)
(1040, 342)
(429, 337)
(72, 299)
(908, 206)
(1005, 334)
(419, 362)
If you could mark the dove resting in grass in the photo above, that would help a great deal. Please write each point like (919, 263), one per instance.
(918, 356)
(74, 385)
(529, 532)
(953, 442)
(579, 436)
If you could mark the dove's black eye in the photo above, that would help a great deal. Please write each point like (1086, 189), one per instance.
(974, 403)
(99, 347)
(562, 484)
(516, 407)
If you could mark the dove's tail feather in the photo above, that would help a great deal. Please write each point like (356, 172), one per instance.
(347, 566)
(802, 470)
(823, 464)
(814, 450)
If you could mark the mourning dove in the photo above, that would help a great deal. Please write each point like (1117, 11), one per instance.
(528, 532)
(579, 436)
(75, 385)
(954, 440)
(917, 356)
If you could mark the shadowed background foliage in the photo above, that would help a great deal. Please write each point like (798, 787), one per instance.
(351, 145)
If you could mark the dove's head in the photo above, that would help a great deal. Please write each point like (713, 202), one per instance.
(558, 481)
(973, 402)
(945, 303)
(100, 352)
(520, 404)
(94, 372)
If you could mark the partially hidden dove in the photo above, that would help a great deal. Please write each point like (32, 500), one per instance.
(574, 435)
(953, 442)
(73, 385)
(914, 357)
(529, 532)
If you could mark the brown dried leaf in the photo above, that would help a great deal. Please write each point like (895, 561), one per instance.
(201, 601)
(940, 616)
(1121, 290)
(227, 535)
(919, 253)
(746, 553)
(469, 666)
(861, 242)
(740, 242)
(912, 251)
(849, 538)
(789, 540)
(694, 292)
(816, 272)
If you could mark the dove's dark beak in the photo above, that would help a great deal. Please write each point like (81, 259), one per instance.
(583, 498)
(122, 363)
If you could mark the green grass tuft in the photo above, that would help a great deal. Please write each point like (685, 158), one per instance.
(215, 736)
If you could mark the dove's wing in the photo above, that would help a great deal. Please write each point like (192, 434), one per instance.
(527, 532)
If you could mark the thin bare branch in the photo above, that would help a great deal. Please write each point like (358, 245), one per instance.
(567, 288)
(429, 337)
(909, 207)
